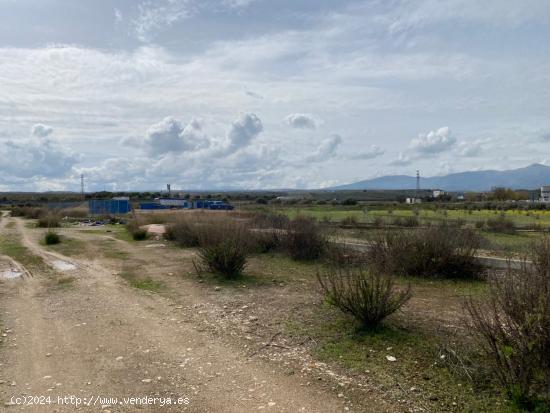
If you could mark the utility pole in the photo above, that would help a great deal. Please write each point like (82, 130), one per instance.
(82, 186)
(417, 184)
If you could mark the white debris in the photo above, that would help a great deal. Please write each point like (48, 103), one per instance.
(63, 265)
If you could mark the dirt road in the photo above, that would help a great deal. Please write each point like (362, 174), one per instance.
(74, 329)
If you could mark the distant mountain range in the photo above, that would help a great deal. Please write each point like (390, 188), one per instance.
(530, 177)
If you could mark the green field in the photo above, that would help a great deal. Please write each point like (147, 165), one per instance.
(369, 213)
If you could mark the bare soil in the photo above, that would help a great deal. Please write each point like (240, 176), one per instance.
(82, 329)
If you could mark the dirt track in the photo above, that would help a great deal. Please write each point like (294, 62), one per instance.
(102, 338)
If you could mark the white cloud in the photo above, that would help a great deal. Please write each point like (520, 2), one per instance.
(373, 152)
(164, 137)
(407, 15)
(118, 16)
(159, 15)
(326, 150)
(401, 160)
(302, 121)
(169, 136)
(35, 157)
(470, 149)
(435, 141)
(392, 67)
(41, 131)
(243, 130)
(238, 3)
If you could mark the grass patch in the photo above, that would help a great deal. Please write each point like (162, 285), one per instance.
(115, 254)
(68, 246)
(145, 283)
(418, 366)
(13, 248)
(64, 283)
(122, 235)
(519, 242)
(246, 279)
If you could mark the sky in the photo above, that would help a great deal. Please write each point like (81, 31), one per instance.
(257, 94)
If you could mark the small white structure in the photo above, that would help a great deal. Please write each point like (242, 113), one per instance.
(545, 193)
(436, 193)
(413, 200)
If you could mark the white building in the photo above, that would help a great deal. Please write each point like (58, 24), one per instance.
(436, 193)
(545, 193)
(413, 200)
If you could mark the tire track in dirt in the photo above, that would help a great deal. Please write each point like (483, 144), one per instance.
(124, 342)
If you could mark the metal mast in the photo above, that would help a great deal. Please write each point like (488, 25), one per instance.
(82, 186)
(417, 184)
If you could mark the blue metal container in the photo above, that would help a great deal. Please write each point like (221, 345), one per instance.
(109, 206)
(151, 206)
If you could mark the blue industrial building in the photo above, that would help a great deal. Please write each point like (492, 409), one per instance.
(209, 204)
(113, 206)
(152, 205)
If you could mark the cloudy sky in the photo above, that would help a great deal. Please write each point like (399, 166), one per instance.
(254, 94)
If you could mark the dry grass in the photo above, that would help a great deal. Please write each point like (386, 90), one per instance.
(438, 251)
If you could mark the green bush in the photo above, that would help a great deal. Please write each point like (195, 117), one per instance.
(224, 246)
(369, 296)
(437, 251)
(135, 230)
(52, 238)
(512, 325)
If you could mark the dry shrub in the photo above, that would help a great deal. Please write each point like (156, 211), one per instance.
(379, 222)
(369, 296)
(183, 232)
(134, 228)
(512, 324)
(438, 251)
(49, 220)
(304, 239)
(267, 240)
(268, 232)
(342, 255)
(501, 224)
(29, 212)
(270, 221)
(74, 212)
(409, 222)
(224, 246)
(349, 221)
